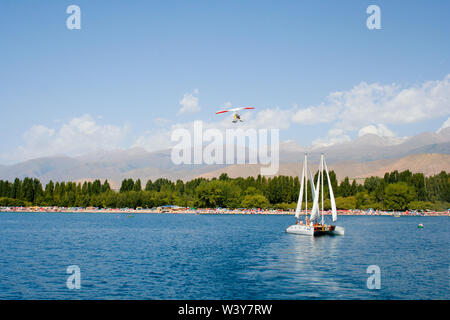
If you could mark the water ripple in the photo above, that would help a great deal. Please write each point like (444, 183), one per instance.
(159, 256)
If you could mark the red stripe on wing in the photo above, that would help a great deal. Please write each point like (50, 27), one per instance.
(221, 111)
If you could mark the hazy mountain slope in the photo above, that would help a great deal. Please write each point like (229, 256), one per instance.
(443, 148)
(40, 168)
(116, 165)
(371, 147)
(427, 163)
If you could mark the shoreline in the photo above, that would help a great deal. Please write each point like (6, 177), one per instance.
(353, 212)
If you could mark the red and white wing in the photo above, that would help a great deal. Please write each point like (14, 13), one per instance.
(234, 110)
(223, 111)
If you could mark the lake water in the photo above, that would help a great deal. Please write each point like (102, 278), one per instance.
(184, 256)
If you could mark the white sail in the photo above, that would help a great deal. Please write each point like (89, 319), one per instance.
(316, 190)
(300, 196)
(315, 209)
(311, 182)
(333, 202)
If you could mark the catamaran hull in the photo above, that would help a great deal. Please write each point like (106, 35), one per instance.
(316, 230)
(301, 229)
(339, 231)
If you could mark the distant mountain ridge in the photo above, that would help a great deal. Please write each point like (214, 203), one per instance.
(367, 151)
(429, 164)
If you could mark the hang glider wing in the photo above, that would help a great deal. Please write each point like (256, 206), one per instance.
(234, 110)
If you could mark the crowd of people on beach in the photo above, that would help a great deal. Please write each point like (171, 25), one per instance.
(180, 210)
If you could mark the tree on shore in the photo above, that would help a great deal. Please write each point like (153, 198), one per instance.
(255, 201)
(398, 196)
(395, 191)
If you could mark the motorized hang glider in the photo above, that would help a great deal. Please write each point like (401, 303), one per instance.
(236, 115)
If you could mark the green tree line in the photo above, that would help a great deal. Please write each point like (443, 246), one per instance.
(395, 191)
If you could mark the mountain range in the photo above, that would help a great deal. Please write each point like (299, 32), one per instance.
(367, 155)
(429, 164)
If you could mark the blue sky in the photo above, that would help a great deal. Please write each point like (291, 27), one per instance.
(123, 75)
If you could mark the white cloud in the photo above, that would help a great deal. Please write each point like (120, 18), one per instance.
(189, 103)
(368, 103)
(314, 115)
(365, 104)
(78, 136)
(273, 118)
(334, 136)
(379, 130)
(445, 125)
(154, 140)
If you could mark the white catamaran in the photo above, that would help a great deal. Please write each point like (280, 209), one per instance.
(311, 226)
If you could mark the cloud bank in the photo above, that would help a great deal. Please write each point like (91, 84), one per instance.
(359, 108)
(364, 109)
(78, 136)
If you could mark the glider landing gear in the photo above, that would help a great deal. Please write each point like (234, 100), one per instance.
(237, 118)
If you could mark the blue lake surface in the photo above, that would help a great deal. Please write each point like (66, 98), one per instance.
(185, 256)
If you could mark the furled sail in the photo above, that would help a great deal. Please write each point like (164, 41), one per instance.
(333, 202)
(300, 196)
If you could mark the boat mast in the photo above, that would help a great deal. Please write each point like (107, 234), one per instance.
(306, 185)
(321, 178)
